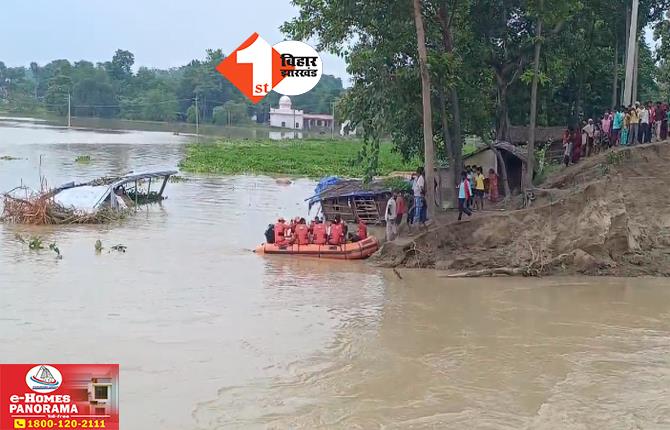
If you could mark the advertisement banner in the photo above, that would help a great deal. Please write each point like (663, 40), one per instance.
(59, 396)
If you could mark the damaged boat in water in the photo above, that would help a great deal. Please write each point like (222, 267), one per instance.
(96, 201)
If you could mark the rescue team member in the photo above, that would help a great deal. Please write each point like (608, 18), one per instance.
(270, 234)
(319, 235)
(280, 232)
(289, 234)
(361, 233)
(336, 236)
(301, 236)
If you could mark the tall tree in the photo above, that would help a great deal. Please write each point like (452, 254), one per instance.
(527, 182)
(429, 155)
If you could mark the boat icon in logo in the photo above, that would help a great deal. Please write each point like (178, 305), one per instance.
(43, 378)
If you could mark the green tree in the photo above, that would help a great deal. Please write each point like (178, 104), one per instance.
(232, 113)
(57, 94)
(120, 68)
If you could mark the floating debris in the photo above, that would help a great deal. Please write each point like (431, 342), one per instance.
(35, 243)
(83, 159)
(102, 200)
(55, 249)
(119, 248)
(98, 246)
(9, 158)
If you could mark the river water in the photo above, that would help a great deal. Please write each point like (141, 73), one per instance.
(211, 336)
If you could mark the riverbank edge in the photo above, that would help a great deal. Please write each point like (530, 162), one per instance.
(602, 217)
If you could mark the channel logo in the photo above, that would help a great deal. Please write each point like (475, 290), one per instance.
(255, 68)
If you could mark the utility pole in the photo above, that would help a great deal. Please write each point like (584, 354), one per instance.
(197, 125)
(636, 69)
(332, 125)
(69, 112)
(630, 55)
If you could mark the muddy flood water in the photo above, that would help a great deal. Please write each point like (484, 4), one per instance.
(211, 336)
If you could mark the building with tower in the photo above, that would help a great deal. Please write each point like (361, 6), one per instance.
(287, 117)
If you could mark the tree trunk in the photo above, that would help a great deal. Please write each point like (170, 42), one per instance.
(527, 182)
(615, 74)
(429, 156)
(502, 112)
(625, 53)
(450, 147)
(458, 138)
(455, 150)
(636, 70)
(503, 171)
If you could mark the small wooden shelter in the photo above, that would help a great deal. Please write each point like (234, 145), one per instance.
(351, 198)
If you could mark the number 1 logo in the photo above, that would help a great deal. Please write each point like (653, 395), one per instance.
(253, 68)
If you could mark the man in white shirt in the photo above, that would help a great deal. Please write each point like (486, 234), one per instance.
(390, 217)
(419, 188)
(589, 132)
(643, 112)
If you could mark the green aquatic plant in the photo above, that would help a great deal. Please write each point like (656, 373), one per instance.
(83, 159)
(35, 243)
(311, 157)
(98, 246)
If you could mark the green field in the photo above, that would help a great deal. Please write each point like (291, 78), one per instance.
(311, 158)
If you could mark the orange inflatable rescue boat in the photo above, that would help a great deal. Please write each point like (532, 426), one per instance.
(348, 251)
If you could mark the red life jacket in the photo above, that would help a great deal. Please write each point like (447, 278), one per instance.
(362, 230)
(302, 234)
(319, 234)
(280, 228)
(336, 233)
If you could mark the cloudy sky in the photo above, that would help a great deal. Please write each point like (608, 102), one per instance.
(161, 33)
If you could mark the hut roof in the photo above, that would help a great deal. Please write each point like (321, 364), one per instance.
(517, 151)
(519, 134)
(352, 188)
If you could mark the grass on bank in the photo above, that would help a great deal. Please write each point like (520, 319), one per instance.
(311, 158)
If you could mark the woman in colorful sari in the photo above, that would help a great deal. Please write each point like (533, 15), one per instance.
(493, 186)
(576, 146)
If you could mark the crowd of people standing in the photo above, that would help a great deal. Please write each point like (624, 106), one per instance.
(641, 123)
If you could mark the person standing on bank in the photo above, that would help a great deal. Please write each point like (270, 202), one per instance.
(419, 188)
(390, 217)
(400, 208)
(589, 131)
(464, 194)
(644, 131)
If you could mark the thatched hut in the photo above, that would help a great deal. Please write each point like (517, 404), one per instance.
(352, 198)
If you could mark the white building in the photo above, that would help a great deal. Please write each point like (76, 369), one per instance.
(286, 116)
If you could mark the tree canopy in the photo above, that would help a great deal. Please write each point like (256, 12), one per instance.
(481, 63)
(111, 89)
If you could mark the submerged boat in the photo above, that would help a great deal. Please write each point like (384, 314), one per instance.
(96, 201)
(348, 251)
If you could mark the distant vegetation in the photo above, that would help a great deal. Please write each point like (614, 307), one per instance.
(112, 90)
(311, 158)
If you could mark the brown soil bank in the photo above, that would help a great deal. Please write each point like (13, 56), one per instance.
(608, 215)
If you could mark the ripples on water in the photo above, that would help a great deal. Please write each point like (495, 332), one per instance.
(210, 336)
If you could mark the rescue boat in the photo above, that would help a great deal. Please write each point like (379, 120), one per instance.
(348, 251)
